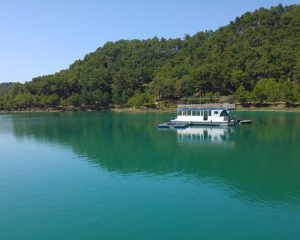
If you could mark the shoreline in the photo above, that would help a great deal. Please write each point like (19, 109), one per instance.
(267, 109)
(143, 109)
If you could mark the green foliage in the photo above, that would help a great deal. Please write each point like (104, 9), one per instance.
(23, 100)
(141, 99)
(241, 95)
(51, 100)
(5, 87)
(73, 100)
(101, 98)
(7, 101)
(290, 92)
(259, 51)
(266, 89)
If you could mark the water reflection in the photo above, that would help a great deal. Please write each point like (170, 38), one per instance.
(219, 135)
(262, 163)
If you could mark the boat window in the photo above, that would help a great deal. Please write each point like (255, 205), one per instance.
(201, 113)
(198, 113)
(224, 113)
(209, 113)
(216, 112)
(205, 115)
(188, 112)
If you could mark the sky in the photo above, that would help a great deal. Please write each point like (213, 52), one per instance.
(42, 37)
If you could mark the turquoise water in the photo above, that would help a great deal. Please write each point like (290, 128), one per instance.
(116, 176)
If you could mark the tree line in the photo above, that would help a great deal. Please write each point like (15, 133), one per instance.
(256, 57)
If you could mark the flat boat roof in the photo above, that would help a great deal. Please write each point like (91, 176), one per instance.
(207, 106)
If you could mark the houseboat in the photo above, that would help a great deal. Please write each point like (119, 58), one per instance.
(210, 114)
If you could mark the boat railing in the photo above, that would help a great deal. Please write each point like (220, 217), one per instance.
(227, 106)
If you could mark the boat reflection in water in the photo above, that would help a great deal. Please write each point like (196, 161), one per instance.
(218, 135)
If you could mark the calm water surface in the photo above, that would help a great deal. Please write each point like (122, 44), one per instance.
(116, 176)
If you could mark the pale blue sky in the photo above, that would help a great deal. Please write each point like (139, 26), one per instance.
(41, 37)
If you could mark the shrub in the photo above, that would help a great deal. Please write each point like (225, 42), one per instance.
(141, 99)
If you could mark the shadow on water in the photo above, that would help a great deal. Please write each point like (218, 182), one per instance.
(260, 161)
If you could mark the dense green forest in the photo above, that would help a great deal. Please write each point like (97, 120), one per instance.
(254, 58)
(5, 87)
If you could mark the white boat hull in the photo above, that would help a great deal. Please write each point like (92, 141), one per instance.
(205, 123)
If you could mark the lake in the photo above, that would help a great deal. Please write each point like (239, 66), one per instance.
(104, 175)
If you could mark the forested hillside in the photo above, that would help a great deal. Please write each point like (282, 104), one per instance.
(256, 57)
(5, 87)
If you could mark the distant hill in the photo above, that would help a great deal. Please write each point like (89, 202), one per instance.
(259, 47)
